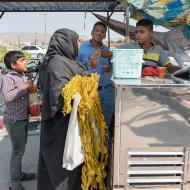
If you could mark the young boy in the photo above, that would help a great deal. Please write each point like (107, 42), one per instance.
(154, 55)
(15, 91)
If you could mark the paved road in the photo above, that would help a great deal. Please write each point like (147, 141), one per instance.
(29, 161)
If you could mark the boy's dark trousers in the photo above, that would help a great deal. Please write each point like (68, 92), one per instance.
(18, 132)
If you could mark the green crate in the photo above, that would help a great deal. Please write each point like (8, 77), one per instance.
(127, 63)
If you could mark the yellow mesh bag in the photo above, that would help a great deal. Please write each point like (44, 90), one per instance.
(92, 129)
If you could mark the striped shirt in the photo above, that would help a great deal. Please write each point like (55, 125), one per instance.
(15, 96)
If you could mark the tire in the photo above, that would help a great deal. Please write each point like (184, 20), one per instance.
(40, 56)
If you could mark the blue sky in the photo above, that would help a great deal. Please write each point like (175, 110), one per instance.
(35, 22)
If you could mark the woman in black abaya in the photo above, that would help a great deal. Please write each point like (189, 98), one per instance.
(59, 67)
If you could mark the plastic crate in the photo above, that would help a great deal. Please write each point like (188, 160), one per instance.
(127, 63)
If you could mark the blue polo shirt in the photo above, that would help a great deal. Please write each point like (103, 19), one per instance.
(84, 52)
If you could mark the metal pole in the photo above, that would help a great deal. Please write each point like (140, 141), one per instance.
(45, 32)
(19, 45)
(108, 29)
(45, 28)
(35, 39)
(2, 14)
(127, 39)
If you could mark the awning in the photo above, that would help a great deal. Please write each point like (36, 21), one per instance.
(167, 13)
(62, 6)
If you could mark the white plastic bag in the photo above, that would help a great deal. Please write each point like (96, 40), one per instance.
(73, 154)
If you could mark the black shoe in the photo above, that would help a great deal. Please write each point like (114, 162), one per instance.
(28, 176)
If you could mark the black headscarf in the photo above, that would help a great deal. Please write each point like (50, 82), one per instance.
(64, 43)
(61, 66)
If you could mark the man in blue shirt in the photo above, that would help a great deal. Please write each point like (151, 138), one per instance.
(106, 89)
